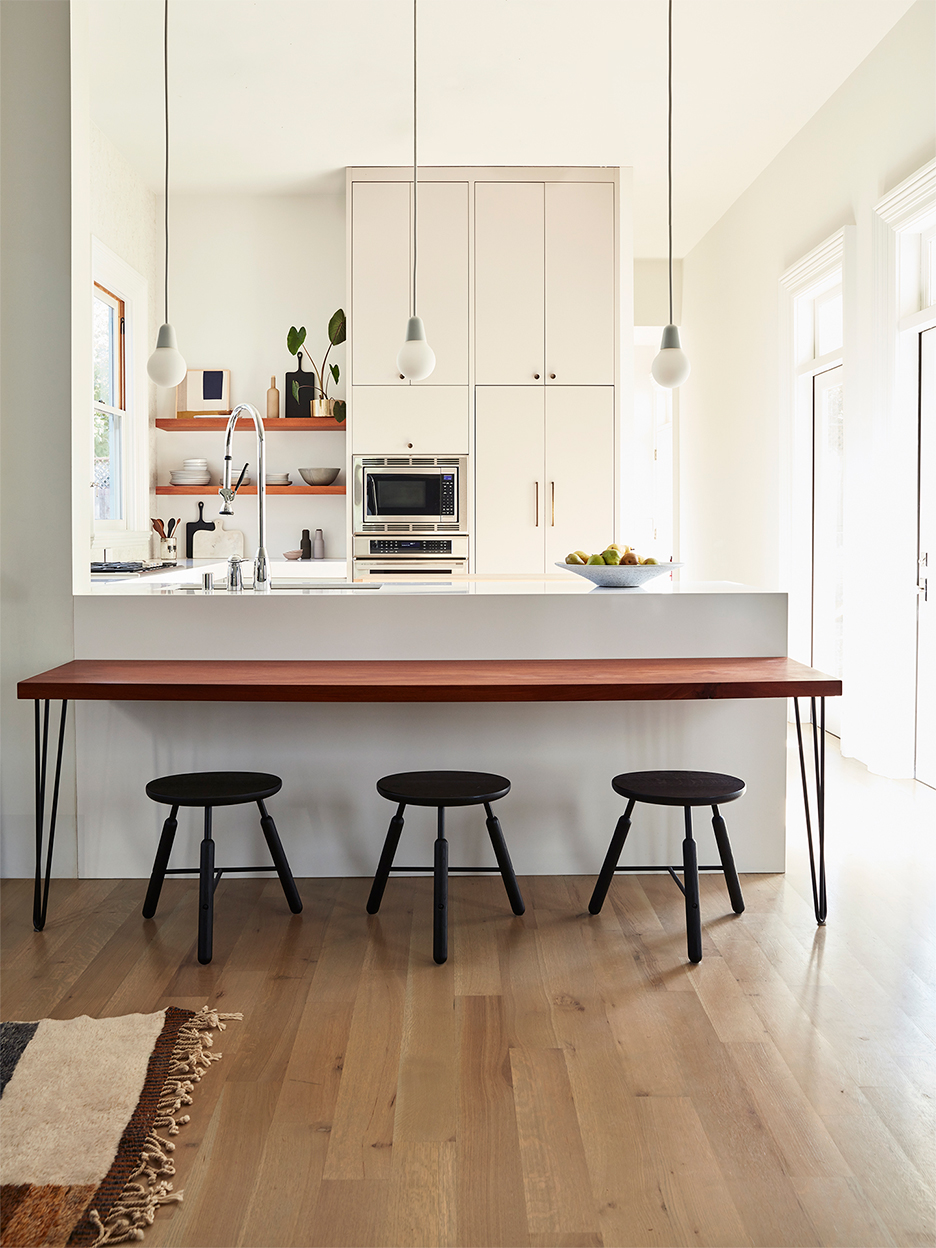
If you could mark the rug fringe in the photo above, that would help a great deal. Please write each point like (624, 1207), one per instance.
(148, 1188)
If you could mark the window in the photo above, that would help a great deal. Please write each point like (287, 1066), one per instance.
(110, 404)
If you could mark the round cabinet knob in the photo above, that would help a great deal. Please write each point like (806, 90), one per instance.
(409, 446)
(552, 376)
(536, 376)
(402, 376)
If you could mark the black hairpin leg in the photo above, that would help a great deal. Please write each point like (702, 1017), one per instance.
(41, 892)
(818, 877)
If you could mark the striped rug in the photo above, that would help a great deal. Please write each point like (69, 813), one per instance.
(81, 1103)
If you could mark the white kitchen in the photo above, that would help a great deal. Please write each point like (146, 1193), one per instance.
(502, 438)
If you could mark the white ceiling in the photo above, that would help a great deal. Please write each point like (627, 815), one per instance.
(278, 96)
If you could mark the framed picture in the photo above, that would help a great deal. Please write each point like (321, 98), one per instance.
(205, 392)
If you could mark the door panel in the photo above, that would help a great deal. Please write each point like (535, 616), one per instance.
(442, 279)
(381, 267)
(510, 514)
(509, 283)
(579, 283)
(926, 635)
(579, 470)
(410, 420)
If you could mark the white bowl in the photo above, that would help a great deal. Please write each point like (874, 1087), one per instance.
(318, 476)
(292, 554)
(619, 575)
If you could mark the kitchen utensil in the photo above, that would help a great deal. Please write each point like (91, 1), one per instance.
(170, 527)
(619, 575)
(318, 476)
(220, 544)
(195, 526)
(158, 527)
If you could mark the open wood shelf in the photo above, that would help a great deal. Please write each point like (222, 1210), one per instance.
(186, 424)
(206, 490)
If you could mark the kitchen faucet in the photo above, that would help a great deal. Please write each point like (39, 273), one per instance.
(261, 562)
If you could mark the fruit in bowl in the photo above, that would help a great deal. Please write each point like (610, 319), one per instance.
(616, 567)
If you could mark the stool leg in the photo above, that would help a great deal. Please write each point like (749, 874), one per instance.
(275, 846)
(206, 892)
(386, 861)
(160, 864)
(691, 885)
(727, 862)
(440, 894)
(503, 861)
(606, 875)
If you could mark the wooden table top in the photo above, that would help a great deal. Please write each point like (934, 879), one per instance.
(428, 680)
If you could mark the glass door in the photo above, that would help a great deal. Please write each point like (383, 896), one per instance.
(828, 571)
(925, 768)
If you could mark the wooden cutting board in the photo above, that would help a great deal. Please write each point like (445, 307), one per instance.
(217, 544)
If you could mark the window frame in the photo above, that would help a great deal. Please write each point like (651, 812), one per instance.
(128, 537)
(118, 525)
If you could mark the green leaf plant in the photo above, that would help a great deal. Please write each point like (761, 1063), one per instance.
(337, 332)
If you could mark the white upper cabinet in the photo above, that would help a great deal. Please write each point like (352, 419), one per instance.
(544, 283)
(381, 273)
(509, 283)
(579, 283)
(410, 420)
(382, 276)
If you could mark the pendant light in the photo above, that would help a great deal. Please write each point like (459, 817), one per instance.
(415, 359)
(671, 367)
(165, 366)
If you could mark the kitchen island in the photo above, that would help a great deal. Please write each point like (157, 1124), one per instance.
(560, 756)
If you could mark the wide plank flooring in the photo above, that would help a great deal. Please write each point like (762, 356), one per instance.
(563, 1079)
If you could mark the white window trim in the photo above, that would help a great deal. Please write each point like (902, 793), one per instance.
(823, 266)
(115, 275)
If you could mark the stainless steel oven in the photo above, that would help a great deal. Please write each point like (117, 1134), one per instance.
(394, 491)
(399, 555)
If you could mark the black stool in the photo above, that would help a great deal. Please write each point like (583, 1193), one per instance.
(686, 789)
(441, 789)
(210, 789)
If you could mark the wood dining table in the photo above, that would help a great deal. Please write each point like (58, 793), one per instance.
(425, 680)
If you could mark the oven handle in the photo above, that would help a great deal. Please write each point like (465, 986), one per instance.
(370, 508)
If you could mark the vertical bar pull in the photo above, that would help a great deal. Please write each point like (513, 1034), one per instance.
(536, 505)
(552, 486)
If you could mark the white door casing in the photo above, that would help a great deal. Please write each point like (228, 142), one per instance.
(510, 500)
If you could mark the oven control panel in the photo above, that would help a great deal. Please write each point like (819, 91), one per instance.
(397, 546)
(448, 494)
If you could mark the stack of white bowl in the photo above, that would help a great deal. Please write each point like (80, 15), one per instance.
(192, 472)
(278, 478)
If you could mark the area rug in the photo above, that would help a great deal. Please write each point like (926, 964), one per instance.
(81, 1103)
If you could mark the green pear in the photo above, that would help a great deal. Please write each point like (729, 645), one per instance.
(650, 559)
(595, 559)
(574, 558)
(611, 556)
(582, 554)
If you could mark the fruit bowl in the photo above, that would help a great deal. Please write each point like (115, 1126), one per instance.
(619, 575)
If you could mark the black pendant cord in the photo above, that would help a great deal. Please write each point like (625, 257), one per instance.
(166, 192)
(415, 178)
(669, 151)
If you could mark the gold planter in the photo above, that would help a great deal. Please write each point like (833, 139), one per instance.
(322, 409)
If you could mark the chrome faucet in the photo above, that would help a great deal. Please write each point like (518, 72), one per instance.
(261, 561)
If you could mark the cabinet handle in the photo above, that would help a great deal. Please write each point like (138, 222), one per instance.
(409, 446)
(553, 487)
(536, 376)
(536, 484)
(552, 376)
(402, 376)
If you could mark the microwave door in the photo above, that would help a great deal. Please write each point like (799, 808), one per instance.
(406, 496)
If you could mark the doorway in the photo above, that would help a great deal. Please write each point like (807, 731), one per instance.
(925, 748)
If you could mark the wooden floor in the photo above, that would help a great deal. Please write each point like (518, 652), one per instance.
(563, 1080)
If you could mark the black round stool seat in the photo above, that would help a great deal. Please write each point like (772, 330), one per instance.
(678, 788)
(214, 788)
(443, 788)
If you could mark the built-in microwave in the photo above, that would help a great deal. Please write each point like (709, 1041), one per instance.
(397, 490)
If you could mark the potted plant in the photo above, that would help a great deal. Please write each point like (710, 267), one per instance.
(321, 407)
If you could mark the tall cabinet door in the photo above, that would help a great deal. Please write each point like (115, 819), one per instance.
(442, 279)
(509, 283)
(579, 470)
(510, 514)
(381, 272)
(580, 321)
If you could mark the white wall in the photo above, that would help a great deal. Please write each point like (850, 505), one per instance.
(873, 132)
(35, 401)
(651, 292)
(244, 268)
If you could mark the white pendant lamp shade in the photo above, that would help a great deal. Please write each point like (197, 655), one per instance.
(671, 367)
(416, 359)
(165, 366)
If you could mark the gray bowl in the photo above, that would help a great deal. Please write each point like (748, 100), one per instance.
(318, 476)
(619, 575)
